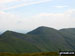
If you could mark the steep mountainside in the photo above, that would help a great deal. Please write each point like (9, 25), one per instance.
(50, 38)
(42, 39)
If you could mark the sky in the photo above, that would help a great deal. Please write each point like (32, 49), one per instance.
(26, 15)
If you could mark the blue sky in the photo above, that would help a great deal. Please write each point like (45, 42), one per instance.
(53, 6)
(25, 15)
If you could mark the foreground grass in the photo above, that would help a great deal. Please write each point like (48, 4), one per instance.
(30, 54)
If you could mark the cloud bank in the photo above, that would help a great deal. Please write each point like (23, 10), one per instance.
(55, 20)
(62, 6)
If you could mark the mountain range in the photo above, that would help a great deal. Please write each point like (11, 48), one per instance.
(41, 39)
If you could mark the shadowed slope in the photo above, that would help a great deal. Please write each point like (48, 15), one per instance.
(69, 35)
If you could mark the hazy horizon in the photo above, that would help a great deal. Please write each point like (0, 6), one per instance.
(26, 31)
(20, 15)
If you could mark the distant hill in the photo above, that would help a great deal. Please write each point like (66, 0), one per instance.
(14, 42)
(41, 39)
(69, 30)
(69, 35)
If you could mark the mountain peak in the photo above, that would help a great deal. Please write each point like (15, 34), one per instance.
(42, 27)
(8, 31)
(42, 30)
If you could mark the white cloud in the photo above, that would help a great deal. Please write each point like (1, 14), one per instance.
(6, 1)
(24, 3)
(8, 21)
(62, 6)
(55, 20)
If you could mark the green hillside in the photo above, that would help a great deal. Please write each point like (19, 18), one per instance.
(69, 35)
(10, 42)
(42, 39)
(50, 39)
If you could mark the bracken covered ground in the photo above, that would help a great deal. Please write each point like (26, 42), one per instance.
(30, 54)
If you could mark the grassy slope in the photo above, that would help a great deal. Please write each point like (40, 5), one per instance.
(50, 39)
(69, 35)
(42, 39)
(10, 43)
